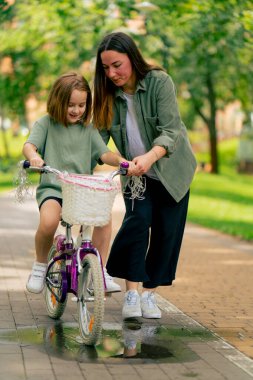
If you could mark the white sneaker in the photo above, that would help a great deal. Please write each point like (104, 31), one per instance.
(111, 286)
(131, 307)
(149, 307)
(132, 338)
(36, 280)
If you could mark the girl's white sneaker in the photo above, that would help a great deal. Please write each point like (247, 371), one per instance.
(111, 285)
(36, 280)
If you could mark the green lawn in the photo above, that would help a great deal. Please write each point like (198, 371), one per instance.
(223, 202)
(8, 166)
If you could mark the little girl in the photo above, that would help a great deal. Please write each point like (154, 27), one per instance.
(63, 140)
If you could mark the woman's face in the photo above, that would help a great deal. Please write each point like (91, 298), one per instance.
(118, 68)
(76, 106)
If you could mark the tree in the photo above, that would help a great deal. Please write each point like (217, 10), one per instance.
(43, 39)
(210, 60)
(5, 17)
(207, 47)
(211, 55)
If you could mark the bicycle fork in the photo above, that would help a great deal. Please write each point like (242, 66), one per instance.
(85, 246)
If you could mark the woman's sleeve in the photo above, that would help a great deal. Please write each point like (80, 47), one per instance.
(169, 124)
(105, 135)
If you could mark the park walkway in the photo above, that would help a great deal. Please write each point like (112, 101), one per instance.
(205, 331)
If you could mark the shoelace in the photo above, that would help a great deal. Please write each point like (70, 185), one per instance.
(151, 300)
(131, 299)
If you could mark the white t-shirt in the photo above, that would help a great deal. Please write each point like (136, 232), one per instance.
(135, 143)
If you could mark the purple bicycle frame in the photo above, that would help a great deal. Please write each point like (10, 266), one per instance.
(68, 253)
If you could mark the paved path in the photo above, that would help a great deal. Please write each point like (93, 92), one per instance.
(211, 296)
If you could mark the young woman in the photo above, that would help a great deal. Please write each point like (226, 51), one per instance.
(64, 141)
(135, 103)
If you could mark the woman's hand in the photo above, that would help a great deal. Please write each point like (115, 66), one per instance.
(131, 168)
(143, 163)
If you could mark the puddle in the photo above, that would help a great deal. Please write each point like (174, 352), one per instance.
(141, 342)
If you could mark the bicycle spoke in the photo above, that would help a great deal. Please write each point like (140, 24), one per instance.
(55, 293)
(91, 300)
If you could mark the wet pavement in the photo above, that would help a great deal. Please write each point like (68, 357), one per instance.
(178, 346)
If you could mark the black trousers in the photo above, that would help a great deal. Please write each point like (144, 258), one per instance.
(146, 247)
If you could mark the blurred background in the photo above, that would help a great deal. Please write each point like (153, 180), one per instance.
(205, 45)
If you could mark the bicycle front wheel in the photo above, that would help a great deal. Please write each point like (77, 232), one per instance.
(91, 300)
(56, 286)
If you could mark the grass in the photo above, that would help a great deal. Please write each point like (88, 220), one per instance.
(222, 202)
(9, 166)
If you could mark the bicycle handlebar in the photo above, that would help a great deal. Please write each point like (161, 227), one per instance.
(39, 169)
(123, 168)
(26, 164)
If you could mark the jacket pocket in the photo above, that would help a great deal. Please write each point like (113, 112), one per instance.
(150, 127)
(152, 121)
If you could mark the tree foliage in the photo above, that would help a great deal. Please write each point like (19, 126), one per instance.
(44, 39)
(216, 39)
(205, 45)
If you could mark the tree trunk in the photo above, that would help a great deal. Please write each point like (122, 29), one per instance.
(212, 125)
(214, 154)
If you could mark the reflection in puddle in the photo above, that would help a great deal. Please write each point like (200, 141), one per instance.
(145, 342)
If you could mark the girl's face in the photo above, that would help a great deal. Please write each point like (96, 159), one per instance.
(76, 106)
(119, 70)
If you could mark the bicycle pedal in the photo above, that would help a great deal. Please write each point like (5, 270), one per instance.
(108, 295)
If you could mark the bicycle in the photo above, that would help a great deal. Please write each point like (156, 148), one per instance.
(77, 267)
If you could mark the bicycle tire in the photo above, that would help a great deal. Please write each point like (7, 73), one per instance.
(55, 300)
(90, 302)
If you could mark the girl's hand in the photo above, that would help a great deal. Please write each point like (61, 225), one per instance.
(30, 152)
(36, 160)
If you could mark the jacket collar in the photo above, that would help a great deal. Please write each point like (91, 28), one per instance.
(141, 86)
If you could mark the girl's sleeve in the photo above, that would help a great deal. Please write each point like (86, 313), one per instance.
(38, 136)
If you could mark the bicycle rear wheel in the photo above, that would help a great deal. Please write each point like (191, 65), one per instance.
(91, 300)
(56, 286)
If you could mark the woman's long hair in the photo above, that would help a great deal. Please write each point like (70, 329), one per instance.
(104, 89)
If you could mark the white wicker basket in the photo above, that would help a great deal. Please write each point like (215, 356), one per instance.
(87, 199)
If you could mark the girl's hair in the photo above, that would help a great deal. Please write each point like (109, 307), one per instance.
(104, 89)
(60, 93)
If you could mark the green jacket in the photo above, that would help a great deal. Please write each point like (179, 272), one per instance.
(160, 124)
